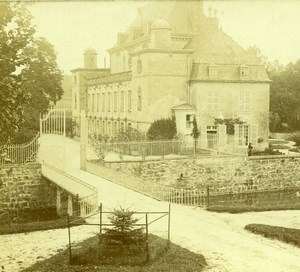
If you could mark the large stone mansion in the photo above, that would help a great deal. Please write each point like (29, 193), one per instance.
(174, 61)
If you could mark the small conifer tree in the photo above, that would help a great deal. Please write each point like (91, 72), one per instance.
(124, 230)
(195, 134)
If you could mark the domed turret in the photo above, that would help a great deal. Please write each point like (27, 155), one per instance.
(90, 58)
(160, 24)
(160, 34)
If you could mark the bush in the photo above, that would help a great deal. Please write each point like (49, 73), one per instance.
(296, 139)
(162, 129)
(287, 235)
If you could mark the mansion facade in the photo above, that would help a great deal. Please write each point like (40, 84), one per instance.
(175, 61)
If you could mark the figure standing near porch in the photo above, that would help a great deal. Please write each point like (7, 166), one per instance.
(250, 147)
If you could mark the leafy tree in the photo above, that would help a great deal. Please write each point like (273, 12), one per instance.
(230, 123)
(29, 77)
(162, 129)
(285, 95)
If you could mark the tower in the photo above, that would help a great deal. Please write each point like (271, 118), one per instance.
(90, 58)
(160, 34)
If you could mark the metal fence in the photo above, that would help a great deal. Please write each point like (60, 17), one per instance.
(19, 153)
(141, 150)
(106, 228)
(86, 193)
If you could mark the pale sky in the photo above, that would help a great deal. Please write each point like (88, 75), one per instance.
(273, 26)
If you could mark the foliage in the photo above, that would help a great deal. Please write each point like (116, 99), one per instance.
(29, 77)
(275, 122)
(130, 134)
(162, 129)
(285, 97)
(195, 132)
(287, 235)
(124, 230)
(229, 122)
(296, 139)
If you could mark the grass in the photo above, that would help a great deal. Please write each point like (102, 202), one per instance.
(162, 259)
(287, 235)
(246, 208)
(279, 146)
(34, 226)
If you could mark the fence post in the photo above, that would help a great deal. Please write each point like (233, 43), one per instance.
(169, 224)
(64, 123)
(147, 241)
(100, 218)
(69, 234)
(207, 200)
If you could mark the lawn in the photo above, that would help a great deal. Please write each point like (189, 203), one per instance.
(163, 259)
(287, 235)
(35, 226)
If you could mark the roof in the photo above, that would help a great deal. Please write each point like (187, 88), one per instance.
(215, 46)
(185, 106)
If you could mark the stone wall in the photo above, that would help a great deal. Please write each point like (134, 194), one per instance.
(219, 172)
(23, 187)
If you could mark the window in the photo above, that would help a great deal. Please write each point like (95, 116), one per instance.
(213, 100)
(244, 72)
(115, 101)
(98, 101)
(129, 100)
(244, 101)
(212, 71)
(115, 128)
(75, 80)
(103, 101)
(243, 135)
(108, 101)
(93, 103)
(89, 102)
(139, 99)
(189, 120)
(122, 126)
(122, 102)
(103, 127)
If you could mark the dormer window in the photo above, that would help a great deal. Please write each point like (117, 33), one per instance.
(244, 72)
(212, 71)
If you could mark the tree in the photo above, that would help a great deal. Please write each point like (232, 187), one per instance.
(162, 129)
(124, 230)
(195, 134)
(285, 95)
(29, 77)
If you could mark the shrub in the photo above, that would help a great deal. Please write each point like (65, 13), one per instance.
(162, 129)
(296, 139)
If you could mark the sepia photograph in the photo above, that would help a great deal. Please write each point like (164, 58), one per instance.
(150, 136)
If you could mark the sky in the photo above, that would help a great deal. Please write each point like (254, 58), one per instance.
(273, 26)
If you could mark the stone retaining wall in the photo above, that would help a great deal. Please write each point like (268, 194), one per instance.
(220, 172)
(23, 187)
